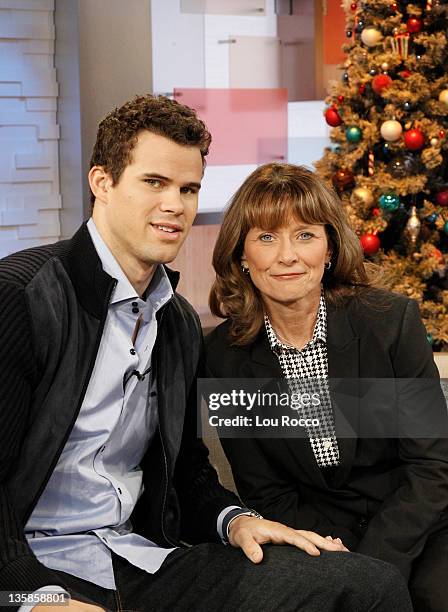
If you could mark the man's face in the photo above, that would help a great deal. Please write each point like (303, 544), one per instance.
(146, 216)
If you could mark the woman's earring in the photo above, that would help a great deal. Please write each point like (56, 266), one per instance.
(327, 265)
(244, 268)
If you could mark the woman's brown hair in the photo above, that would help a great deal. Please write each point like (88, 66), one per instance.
(267, 199)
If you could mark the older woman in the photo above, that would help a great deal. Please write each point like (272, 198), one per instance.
(300, 303)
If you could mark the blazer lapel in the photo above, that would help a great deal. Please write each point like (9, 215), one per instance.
(343, 363)
(264, 364)
(262, 360)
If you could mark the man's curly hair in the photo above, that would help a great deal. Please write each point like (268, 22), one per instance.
(118, 131)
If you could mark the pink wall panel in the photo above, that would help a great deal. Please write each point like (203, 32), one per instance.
(248, 126)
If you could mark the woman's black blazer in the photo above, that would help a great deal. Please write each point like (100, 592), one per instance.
(387, 495)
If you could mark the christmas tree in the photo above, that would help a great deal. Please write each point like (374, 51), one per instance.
(389, 159)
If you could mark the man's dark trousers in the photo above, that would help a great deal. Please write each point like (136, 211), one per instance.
(213, 577)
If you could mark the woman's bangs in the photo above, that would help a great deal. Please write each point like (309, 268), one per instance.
(269, 208)
(273, 210)
(309, 210)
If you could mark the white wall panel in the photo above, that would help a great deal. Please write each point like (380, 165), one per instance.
(178, 47)
(219, 184)
(29, 5)
(41, 104)
(31, 176)
(20, 117)
(9, 89)
(30, 197)
(43, 202)
(31, 47)
(220, 28)
(48, 132)
(36, 188)
(10, 246)
(6, 234)
(11, 201)
(47, 225)
(32, 161)
(19, 216)
(9, 29)
(26, 24)
(308, 134)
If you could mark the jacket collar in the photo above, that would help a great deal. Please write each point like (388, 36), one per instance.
(93, 286)
(340, 337)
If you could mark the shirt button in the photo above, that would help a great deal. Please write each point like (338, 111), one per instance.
(308, 359)
(119, 490)
(135, 310)
(132, 351)
(134, 304)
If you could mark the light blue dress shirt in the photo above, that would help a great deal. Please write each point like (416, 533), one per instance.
(83, 513)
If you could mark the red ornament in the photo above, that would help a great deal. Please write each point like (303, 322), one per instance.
(405, 74)
(370, 243)
(394, 6)
(376, 212)
(362, 89)
(442, 133)
(414, 139)
(353, 6)
(437, 254)
(414, 25)
(381, 82)
(332, 117)
(343, 179)
(340, 99)
(442, 198)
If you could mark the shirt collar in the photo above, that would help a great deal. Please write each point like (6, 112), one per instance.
(159, 291)
(319, 332)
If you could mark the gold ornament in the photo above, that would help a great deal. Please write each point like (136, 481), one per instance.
(385, 66)
(371, 37)
(443, 96)
(413, 225)
(434, 141)
(364, 194)
(391, 130)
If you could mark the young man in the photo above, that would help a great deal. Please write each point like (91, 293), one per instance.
(101, 473)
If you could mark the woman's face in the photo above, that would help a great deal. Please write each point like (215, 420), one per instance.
(287, 264)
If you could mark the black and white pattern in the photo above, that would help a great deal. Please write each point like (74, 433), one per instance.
(311, 363)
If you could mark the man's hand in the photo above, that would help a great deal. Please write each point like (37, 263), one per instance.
(74, 605)
(248, 533)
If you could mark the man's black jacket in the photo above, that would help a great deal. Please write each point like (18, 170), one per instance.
(53, 306)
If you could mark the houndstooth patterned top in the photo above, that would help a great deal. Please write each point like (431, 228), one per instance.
(311, 363)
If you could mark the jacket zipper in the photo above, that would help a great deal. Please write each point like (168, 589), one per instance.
(165, 493)
(81, 399)
(165, 461)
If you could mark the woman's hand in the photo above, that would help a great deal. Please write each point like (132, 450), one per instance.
(249, 533)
